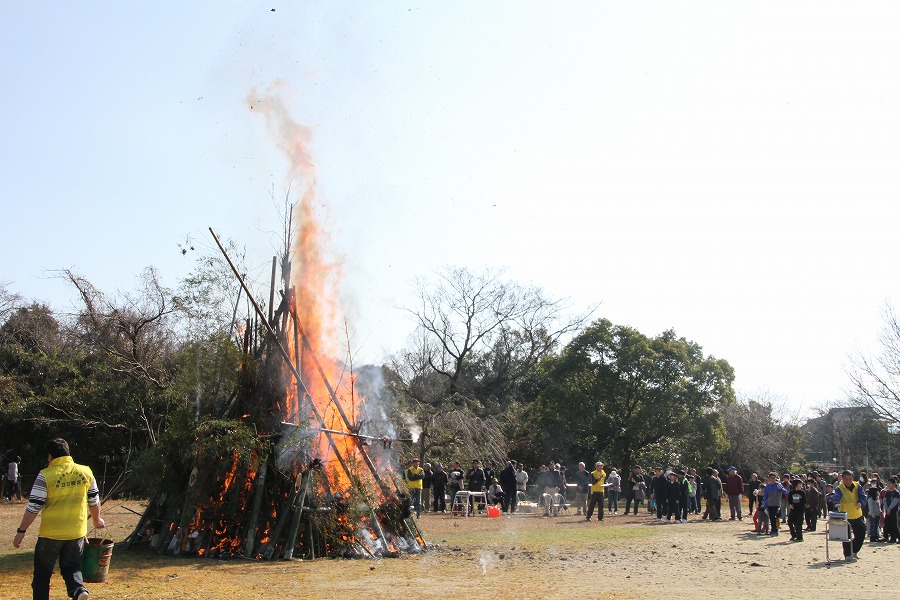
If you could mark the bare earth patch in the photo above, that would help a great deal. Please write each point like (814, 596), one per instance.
(517, 557)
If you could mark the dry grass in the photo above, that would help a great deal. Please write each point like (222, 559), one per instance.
(521, 557)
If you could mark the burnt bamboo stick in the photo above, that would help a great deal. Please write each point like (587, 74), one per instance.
(294, 529)
(144, 518)
(272, 291)
(258, 492)
(282, 519)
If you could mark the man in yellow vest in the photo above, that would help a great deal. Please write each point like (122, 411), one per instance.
(413, 476)
(598, 486)
(850, 498)
(63, 494)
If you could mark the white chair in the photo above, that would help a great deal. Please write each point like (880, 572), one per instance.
(460, 505)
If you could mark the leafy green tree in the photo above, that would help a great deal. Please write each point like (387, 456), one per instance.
(616, 394)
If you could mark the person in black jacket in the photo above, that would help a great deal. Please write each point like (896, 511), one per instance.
(508, 483)
(475, 478)
(683, 494)
(659, 489)
(673, 491)
(489, 474)
(439, 488)
(635, 479)
(797, 508)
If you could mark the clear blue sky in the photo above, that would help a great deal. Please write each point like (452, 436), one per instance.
(726, 170)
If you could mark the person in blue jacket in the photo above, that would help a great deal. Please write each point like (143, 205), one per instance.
(772, 495)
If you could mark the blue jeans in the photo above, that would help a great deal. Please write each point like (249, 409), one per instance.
(417, 501)
(612, 499)
(873, 526)
(46, 553)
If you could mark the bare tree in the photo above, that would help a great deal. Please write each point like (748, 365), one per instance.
(134, 331)
(466, 315)
(478, 334)
(762, 434)
(875, 380)
(9, 302)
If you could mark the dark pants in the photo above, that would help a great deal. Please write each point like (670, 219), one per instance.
(795, 523)
(46, 553)
(613, 499)
(662, 507)
(714, 508)
(683, 505)
(509, 498)
(629, 498)
(859, 535)
(773, 517)
(812, 515)
(751, 500)
(440, 502)
(596, 500)
(891, 528)
(672, 508)
(417, 501)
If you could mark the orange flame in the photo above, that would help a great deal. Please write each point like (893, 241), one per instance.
(313, 300)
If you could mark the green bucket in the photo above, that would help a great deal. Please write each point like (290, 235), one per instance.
(95, 560)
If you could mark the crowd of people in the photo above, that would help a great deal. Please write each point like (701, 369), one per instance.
(672, 495)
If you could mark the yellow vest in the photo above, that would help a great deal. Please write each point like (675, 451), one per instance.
(65, 513)
(850, 501)
(414, 484)
(600, 476)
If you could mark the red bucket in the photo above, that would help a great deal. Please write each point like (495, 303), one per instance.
(493, 512)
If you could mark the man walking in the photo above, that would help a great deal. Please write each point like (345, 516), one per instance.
(63, 494)
(850, 498)
(734, 489)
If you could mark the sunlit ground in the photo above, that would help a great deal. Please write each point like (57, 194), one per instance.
(478, 557)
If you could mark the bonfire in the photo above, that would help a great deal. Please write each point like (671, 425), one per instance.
(310, 481)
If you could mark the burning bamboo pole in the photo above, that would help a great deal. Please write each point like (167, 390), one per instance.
(334, 399)
(284, 352)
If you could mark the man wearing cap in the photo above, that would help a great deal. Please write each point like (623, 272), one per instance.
(598, 484)
(734, 489)
(850, 497)
(414, 475)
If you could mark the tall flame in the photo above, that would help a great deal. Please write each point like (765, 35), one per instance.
(314, 292)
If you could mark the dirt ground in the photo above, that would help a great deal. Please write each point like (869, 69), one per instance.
(517, 557)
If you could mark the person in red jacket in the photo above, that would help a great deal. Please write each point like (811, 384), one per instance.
(734, 489)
